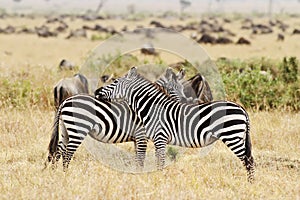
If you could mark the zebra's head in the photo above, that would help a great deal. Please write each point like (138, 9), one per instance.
(171, 83)
(118, 89)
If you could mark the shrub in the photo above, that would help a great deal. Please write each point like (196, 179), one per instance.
(262, 84)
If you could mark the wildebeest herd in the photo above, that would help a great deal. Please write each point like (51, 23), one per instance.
(116, 121)
(209, 30)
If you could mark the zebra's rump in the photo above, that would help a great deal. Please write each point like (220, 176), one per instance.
(195, 125)
(108, 122)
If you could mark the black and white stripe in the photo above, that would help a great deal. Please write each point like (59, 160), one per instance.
(107, 122)
(189, 125)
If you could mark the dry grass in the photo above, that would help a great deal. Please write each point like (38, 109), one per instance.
(25, 135)
(219, 175)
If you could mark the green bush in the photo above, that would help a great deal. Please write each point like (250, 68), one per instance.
(262, 84)
(258, 84)
(22, 93)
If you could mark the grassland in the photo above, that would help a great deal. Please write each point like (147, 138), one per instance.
(25, 129)
(25, 136)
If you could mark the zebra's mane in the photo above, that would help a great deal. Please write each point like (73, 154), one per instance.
(161, 88)
(158, 87)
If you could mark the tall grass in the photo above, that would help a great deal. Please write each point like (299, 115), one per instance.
(32, 87)
(258, 84)
(25, 135)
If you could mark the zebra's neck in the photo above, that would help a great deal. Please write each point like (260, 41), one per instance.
(143, 94)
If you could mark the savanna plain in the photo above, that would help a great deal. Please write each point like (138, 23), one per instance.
(29, 70)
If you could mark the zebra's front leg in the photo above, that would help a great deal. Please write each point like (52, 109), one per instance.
(140, 148)
(160, 158)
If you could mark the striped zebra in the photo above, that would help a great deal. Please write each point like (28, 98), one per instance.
(188, 125)
(108, 122)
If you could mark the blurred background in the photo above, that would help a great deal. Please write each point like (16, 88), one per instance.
(254, 44)
(121, 6)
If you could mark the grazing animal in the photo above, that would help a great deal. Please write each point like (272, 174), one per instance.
(223, 40)
(206, 38)
(167, 121)
(243, 40)
(198, 89)
(296, 31)
(148, 49)
(66, 65)
(108, 122)
(280, 37)
(8, 30)
(157, 24)
(67, 87)
(43, 31)
(77, 33)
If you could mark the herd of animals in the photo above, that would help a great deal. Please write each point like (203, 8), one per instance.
(171, 110)
(207, 30)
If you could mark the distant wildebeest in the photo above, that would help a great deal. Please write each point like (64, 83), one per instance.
(67, 87)
(197, 88)
(80, 32)
(8, 30)
(62, 27)
(261, 29)
(43, 31)
(66, 65)
(148, 49)
(296, 31)
(243, 40)
(280, 37)
(26, 31)
(223, 40)
(206, 38)
(157, 24)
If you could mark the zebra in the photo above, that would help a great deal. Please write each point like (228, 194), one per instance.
(108, 122)
(188, 125)
(196, 87)
(171, 84)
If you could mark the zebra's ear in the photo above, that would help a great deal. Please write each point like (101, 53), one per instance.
(168, 72)
(170, 75)
(180, 75)
(132, 73)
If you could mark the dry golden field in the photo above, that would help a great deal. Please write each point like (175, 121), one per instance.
(25, 132)
(219, 175)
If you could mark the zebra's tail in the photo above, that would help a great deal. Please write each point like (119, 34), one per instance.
(53, 144)
(248, 159)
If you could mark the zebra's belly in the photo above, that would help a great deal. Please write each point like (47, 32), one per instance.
(109, 135)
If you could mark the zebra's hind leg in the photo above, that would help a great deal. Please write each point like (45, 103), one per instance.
(249, 164)
(160, 144)
(242, 149)
(67, 157)
(248, 158)
(61, 148)
(66, 160)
